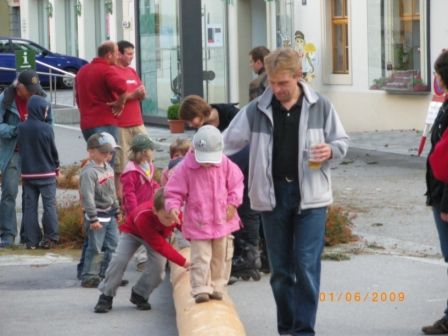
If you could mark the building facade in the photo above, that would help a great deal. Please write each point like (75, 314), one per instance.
(372, 58)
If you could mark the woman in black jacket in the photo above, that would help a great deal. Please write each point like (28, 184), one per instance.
(437, 191)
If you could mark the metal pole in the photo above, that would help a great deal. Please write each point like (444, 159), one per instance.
(51, 87)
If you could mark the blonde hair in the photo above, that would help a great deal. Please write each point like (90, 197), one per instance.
(283, 59)
(180, 145)
(137, 156)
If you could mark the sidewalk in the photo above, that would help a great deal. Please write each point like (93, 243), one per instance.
(374, 293)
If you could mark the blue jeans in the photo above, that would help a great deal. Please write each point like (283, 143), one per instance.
(102, 240)
(30, 222)
(294, 243)
(10, 188)
(442, 229)
(104, 263)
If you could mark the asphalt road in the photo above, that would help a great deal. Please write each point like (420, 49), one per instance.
(380, 291)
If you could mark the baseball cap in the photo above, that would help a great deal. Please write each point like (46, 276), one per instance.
(141, 142)
(30, 80)
(208, 145)
(110, 139)
(100, 142)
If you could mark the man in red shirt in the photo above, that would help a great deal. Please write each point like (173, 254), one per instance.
(130, 122)
(100, 92)
(149, 225)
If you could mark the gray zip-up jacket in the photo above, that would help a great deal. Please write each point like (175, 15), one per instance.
(97, 191)
(254, 125)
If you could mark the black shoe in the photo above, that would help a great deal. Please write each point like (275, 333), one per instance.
(5, 243)
(92, 282)
(439, 327)
(47, 244)
(104, 304)
(216, 296)
(30, 246)
(201, 298)
(139, 301)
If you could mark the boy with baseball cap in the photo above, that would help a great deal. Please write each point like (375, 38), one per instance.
(101, 208)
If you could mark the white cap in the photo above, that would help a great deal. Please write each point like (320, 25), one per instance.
(208, 145)
(110, 139)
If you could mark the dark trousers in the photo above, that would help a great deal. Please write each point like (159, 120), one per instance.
(32, 189)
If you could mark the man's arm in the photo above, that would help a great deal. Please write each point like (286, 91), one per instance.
(336, 136)
(237, 135)
(7, 131)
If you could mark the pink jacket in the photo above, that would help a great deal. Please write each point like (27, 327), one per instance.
(206, 193)
(137, 187)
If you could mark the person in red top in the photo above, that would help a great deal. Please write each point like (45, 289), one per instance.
(101, 92)
(130, 122)
(149, 224)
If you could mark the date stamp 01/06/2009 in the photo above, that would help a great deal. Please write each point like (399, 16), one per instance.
(360, 297)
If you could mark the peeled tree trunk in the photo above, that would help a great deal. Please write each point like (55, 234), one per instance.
(217, 318)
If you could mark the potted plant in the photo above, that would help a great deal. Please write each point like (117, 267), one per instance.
(176, 125)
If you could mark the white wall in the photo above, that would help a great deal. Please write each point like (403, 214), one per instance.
(29, 20)
(439, 28)
(58, 28)
(86, 30)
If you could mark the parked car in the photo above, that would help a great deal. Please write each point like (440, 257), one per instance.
(8, 46)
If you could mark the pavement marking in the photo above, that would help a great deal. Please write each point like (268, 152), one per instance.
(436, 262)
(35, 261)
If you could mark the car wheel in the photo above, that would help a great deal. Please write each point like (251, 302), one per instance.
(66, 82)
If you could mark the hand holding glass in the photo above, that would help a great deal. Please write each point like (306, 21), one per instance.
(314, 137)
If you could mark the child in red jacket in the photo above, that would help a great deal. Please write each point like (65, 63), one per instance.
(148, 225)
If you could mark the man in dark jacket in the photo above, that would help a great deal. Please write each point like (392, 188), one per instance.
(40, 164)
(256, 63)
(13, 111)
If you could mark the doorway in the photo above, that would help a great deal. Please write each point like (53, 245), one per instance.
(251, 33)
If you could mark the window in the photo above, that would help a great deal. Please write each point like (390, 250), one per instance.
(5, 47)
(24, 45)
(336, 42)
(284, 10)
(398, 41)
(339, 30)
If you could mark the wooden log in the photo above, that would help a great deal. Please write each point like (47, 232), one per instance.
(217, 318)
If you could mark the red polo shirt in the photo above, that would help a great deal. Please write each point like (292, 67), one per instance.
(97, 83)
(132, 113)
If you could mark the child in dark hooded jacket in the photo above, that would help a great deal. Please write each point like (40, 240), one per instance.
(40, 165)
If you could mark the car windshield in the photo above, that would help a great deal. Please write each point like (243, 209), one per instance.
(24, 45)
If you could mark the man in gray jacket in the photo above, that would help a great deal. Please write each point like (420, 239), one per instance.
(13, 111)
(289, 182)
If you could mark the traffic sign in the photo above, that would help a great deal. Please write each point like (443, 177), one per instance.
(25, 59)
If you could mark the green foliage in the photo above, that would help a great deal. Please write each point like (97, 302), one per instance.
(173, 112)
(338, 229)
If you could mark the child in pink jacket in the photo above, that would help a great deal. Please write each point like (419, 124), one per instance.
(137, 178)
(210, 186)
(137, 183)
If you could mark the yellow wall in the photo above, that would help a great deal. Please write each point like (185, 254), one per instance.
(4, 18)
(372, 110)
